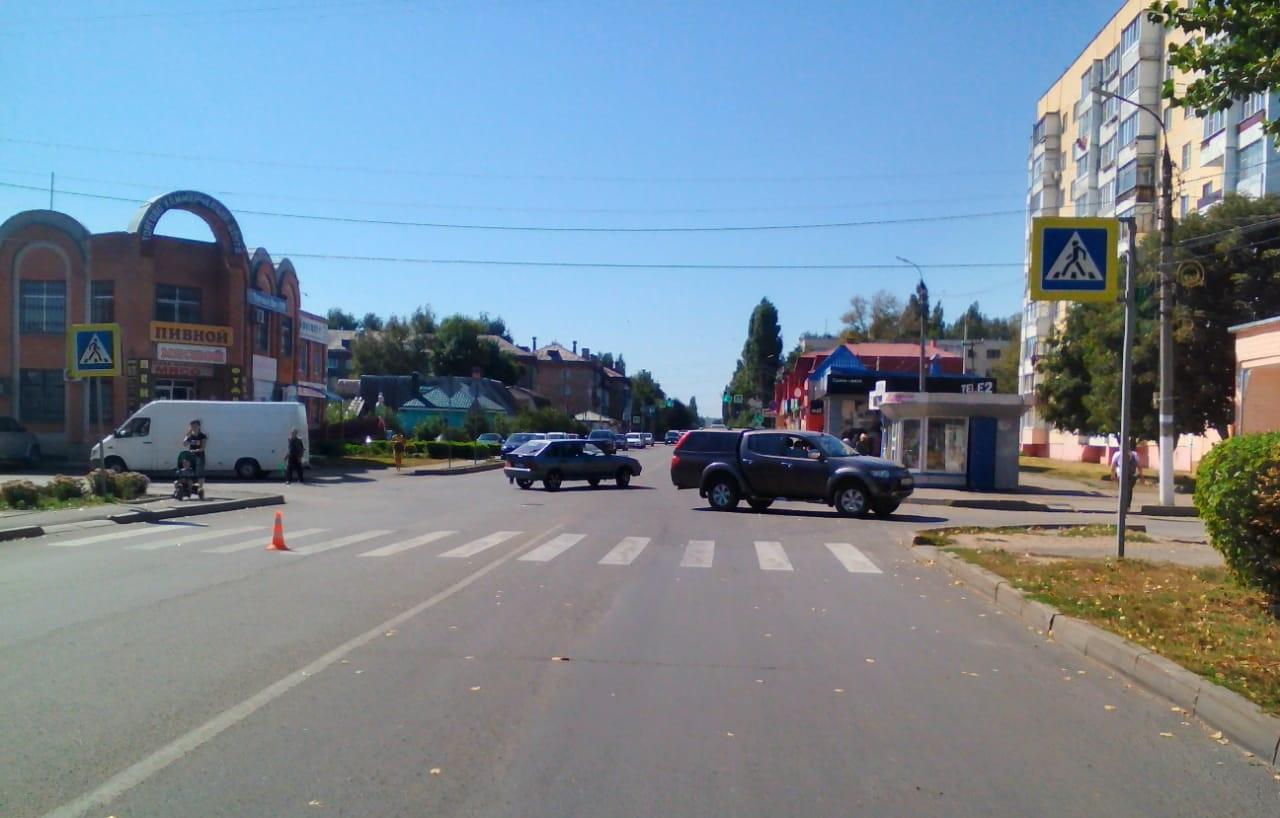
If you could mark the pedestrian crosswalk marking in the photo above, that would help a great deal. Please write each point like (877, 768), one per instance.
(698, 554)
(118, 535)
(476, 546)
(396, 548)
(772, 557)
(320, 548)
(263, 541)
(854, 561)
(625, 552)
(553, 548)
(206, 535)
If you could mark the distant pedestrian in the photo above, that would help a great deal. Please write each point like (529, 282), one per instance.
(864, 445)
(293, 461)
(397, 449)
(1135, 471)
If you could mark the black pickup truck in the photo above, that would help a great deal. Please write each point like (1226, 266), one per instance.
(763, 466)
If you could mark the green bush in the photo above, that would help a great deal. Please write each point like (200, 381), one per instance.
(131, 484)
(415, 447)
(428, 429)
(1238, 497)
(64, 488)
(20, 494)
(101, 482)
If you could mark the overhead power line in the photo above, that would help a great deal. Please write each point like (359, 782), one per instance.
(932, 174)
(563, 229)
(638, 266)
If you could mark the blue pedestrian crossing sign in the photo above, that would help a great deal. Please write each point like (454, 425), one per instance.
(1075, 259)
(93, 350)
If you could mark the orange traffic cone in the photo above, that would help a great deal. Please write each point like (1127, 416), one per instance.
(277, 535)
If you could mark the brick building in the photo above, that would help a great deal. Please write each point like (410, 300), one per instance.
(199, 320)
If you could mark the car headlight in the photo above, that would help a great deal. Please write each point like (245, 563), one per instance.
(881, 474)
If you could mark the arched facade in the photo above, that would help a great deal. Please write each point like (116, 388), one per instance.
(199, 319)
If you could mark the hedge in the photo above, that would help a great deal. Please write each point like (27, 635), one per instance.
(1238, 497)
(437, 449)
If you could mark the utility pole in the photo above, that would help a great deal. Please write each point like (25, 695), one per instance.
(1126, 384)
(922, 298)
(1168, 433)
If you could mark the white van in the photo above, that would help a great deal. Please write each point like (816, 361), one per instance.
(245, 438)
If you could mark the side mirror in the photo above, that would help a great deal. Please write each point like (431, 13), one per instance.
(817, 455)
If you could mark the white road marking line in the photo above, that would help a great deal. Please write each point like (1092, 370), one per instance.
(625, 552)
(553, 548)
(320, 548)
(698, 554)
(205, 535)
(396, 548)
(130, 531)
(476, 546)
(772, 557)
(263, 541)
(854, 561)
(125, 780)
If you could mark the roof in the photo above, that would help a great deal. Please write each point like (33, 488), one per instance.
(874, 349)
(506, 346)
(610, 373)
(1255, 324)
(556, 352)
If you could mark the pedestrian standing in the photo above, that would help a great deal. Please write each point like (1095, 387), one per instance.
(1135, 471)
(293, 460)
(397, 449)
(863, 446)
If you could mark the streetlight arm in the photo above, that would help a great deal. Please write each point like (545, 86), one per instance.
(1159, 119)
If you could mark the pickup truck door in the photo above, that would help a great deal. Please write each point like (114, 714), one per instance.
(763, 465)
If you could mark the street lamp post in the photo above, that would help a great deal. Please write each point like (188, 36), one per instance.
(922, 299)
(1168, 434)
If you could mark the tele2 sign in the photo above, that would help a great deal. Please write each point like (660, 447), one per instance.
(1074, 259)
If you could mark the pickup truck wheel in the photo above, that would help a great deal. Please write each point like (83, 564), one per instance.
(524, 482)
(884, 509)
(722, 494)
(623, 477)
(552, 481)
(851, 500)
(759, 503)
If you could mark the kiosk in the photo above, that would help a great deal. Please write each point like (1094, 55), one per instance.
(967, 440)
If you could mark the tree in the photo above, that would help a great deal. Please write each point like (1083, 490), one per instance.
(885, 312)
(857, 324)
(761, 354)
(647, 398)
(1005, 370)
(338, 319)
(371, 322)
(619, 365)
(973, 323)
(606, 360)
(403, 346)
(495, 326)
(693, 410)
(1230, 51)
(457, 349)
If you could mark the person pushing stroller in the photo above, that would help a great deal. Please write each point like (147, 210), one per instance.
(190, 474)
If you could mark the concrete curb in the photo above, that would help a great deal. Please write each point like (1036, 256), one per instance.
(211, 507)
(21, 532)
(463, 470)
(1168, 511)
(989, 505)
(1236, 716)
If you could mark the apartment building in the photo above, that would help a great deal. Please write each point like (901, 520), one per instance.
(1098, 156)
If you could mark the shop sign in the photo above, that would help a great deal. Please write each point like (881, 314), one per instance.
(313, 328)
(264, 368)
(189, 354)
(166, 332)
(165, 369)
(267, 301)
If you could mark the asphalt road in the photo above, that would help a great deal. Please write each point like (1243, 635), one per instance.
(454, 646)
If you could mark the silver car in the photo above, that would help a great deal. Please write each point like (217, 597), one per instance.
(16, 443)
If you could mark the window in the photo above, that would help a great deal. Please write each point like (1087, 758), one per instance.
(1250, 158)
(947, 445)
(102, 302)
(769, 445)
(1214, 121)
(1082, 205)
(1129, 37)
(1128, 132)
(1086, 84)
(1253, 104)
(1082, 166)
(41, 394)
(1186, 156)
(1037, 132)
(108, 393)
(1127, 178)
(1107, 196)
(1107, 153)
(286, 336)
(1037, 168)
(910, 443)
(304, 363)
(1111, 64)
(43, 306)
(1035, 201)
(175, 390)
(993, 354)
(1110, 109)
(1129, 83)
(135, 427)
(177, 304)
(1185, 204)
(261, 331)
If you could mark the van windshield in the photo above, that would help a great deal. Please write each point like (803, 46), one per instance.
(135, 427)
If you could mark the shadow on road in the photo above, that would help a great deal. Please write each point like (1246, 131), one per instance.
(829, 515)
(605, 487)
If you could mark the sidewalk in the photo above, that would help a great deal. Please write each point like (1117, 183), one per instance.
(1041, 493)
(154, 506)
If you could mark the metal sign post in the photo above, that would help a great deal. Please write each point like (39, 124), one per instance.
(1126, 384)
(93, 352)
(102, 446)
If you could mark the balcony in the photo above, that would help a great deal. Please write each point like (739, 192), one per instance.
(1209, 201)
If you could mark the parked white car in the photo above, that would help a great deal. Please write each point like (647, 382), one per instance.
(635, 440)
(648, 438)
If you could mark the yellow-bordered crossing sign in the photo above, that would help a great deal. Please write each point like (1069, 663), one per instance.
(1074, 259)
(93, 350)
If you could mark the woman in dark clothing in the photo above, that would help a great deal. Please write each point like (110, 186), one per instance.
(293, 464)
(195, 442)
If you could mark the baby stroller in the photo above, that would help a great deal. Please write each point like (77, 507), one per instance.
(189, 480)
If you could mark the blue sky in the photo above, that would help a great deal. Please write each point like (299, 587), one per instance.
(559, 113)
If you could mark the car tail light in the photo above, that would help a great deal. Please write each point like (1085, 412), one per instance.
(675, 460)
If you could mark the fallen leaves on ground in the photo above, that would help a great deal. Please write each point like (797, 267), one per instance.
(1108, 707)
(1167, 735)
(435, 770)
